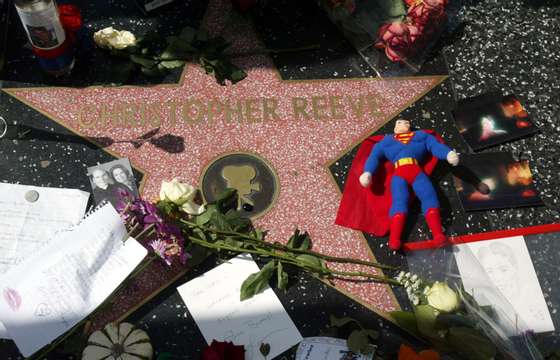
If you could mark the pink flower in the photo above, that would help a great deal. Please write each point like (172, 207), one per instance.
(427, 15)
(397, 39)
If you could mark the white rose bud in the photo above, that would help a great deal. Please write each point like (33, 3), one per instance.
(442, 297)
(181, 195)
(413, 278)
(110, 38)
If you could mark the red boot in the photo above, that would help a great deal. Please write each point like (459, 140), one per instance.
(397, 226)
(434, 223)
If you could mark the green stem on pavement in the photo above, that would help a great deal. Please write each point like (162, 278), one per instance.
(286, 248)
(292, 260)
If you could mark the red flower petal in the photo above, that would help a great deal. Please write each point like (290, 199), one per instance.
(70, 17)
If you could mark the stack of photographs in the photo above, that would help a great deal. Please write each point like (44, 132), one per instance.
(492, 119)
(494, 181)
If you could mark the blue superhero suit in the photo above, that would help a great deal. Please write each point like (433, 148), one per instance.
(406, 151)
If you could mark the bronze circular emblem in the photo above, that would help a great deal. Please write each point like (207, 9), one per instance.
(253, 178)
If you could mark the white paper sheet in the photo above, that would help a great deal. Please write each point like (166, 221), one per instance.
(50, 292)
(213, 301)
(27, 226)
(500, 273)
(327, 348)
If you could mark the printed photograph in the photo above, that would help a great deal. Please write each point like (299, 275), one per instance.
(491, 119)
(42, 36)
(107, 179)
(509, 183)
(500, 273)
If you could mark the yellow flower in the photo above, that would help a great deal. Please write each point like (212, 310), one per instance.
(441, 297)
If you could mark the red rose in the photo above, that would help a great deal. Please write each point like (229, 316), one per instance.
(427, 15)
(70, 17)
(397, 39)
(219, 350)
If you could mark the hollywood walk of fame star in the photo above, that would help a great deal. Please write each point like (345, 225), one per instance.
(299, 149)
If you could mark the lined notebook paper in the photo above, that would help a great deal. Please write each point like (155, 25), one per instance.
(50, 292)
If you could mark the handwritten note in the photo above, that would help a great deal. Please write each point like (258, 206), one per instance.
(26, 226)
(213, 301)
(50, 292)
(327, 348)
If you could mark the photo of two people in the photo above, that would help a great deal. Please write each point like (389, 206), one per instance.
(108, 180)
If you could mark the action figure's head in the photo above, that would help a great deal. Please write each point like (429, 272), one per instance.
(402, 126)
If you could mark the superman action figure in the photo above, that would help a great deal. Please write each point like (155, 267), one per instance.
(386, 167)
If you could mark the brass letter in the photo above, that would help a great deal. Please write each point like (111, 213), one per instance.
(228, 111)
(357, 108)
(269, 109)
(214, 108)
(251, 110)
(336, 107)
(199, 111)
(319, 107)
(299, 105)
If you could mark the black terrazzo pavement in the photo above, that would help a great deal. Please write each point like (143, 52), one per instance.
(512, 46)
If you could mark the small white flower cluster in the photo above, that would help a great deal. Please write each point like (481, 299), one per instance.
(413, 286)
(109, 38)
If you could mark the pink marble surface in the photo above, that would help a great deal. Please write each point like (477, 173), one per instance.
(299, 150)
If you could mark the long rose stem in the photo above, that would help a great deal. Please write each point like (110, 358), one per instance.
(298, 251)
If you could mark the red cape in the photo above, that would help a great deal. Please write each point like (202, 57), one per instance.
(367, 209)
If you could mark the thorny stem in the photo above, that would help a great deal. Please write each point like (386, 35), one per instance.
(278, 246)
(291, 260)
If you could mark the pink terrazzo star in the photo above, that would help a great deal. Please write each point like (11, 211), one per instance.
(298, 149)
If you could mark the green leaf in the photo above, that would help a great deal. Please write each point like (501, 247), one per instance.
(151, 71)
(258, 234)
(226, 199)
(236, 222)
(299, 241)
(204, 218)
(282, 277)
(237, 75)
(310, 260)
(372, 334)
(230, 241)
(357, 341)
(201, 35)
(446, 321)
(406, 320)
(426, 320)
(188, 34)
(219, 221)
(264, 349)
(471, 343)
(172, 64)
(340, 322)
(165, 356)
(200, 233)
(141, 60)
(257, 282)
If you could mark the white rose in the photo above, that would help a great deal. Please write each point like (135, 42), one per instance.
(181, 195)
(110, 38)
(442, 297)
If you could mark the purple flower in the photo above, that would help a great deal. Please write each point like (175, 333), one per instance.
(159, 248)
(167, 241)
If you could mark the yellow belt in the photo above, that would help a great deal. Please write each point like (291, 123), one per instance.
(406, 161)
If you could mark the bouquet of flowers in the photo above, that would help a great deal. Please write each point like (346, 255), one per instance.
(454, 323)
(404, 29)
